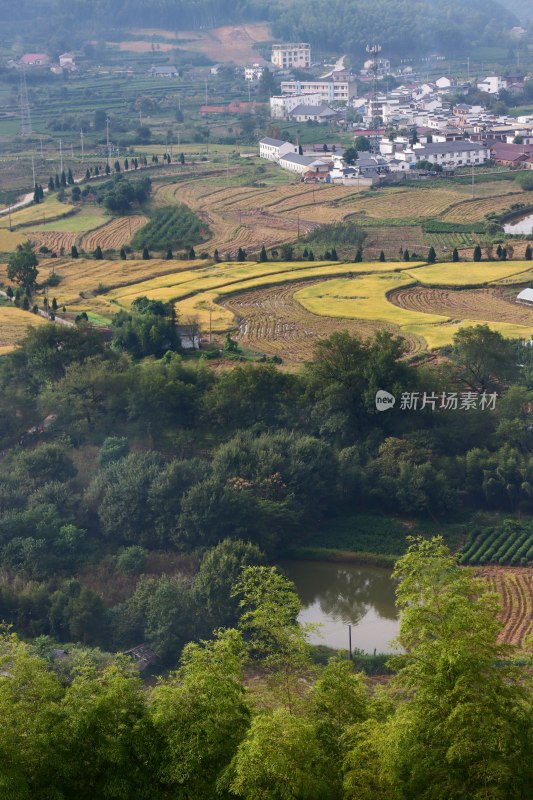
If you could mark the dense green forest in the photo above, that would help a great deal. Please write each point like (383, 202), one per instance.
(133, 480)
(455, 722)
(403, 27)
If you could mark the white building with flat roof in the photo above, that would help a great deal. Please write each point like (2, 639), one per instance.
(329, 89)
(290, 55)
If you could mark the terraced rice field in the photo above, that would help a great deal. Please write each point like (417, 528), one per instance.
(487, 304)
(114, 234)
(50, 209)
(14, 325)
(469, 274)
(474, 210)
(271, 321)
(434, 314)
(515, 589)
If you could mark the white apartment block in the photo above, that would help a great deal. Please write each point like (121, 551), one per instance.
(281, 105)
(253, 72)
(286, 56)
(329, 89)
(274, 149)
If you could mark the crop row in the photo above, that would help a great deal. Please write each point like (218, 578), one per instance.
(497, 546)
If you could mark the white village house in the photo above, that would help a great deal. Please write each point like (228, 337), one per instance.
(274, 149)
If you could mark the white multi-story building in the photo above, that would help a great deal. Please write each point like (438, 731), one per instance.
(448, 155)
(253, 72)
(492, 84)
(274, 149)
(281, 105)
(287, 56)
(329, 89)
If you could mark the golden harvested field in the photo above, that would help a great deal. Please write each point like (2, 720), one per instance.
(474, 210)
(488, 304)
(14, 325)
(49, 209)
(469, 274)
(114, 234)
(271, 321)
(10, 239)
(515, 589)
(434, 314)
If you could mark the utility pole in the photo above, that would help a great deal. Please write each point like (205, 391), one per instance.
(350, 640)
(298, 218)
(81, 138)
(206, 92)
(107, 139)
(473, 179)
(41, 140)
(33, 170)
(61, 153)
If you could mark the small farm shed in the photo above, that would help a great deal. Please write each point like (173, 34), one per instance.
(525, 297)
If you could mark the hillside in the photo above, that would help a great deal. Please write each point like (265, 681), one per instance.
(402, 27)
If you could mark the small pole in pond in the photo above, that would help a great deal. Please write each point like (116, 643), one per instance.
(350, 639)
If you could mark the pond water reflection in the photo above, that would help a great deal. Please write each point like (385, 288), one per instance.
(335, 595)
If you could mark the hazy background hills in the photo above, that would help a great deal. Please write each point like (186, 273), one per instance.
(403, 27)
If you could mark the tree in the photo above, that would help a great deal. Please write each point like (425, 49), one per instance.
(63, 179)
(74, 251)
(181, 158)
(466, 718)
(432, 256)
(192, 254)
(169, 255)
(22, 267)
(51, 184)
(57, 183)
(87, 174)
(477, 253)
(36, 195)
(499, 251)
(382, 256)
(126, 164)
(455, 255)
(350, 155)
(108, 746)
(123, 254)
(216, 256)
(146, 253)
(334, 256)
(280, 759)
(504, 254)
(107, 169)
(241, 254)
(117, 166)
(98, 253)
(263, 254)
(70, 177)
(484, 358)
(219, 571)
(528, 252)
(201, 714)
(358, 255)
(362, 143)
(406, 255)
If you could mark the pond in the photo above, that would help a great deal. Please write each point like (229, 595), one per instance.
(335, 595)
(522, 226)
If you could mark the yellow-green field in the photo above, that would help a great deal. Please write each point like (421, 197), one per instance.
(49, 209)
(469, 273)
(14, 325)
(368, 298)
